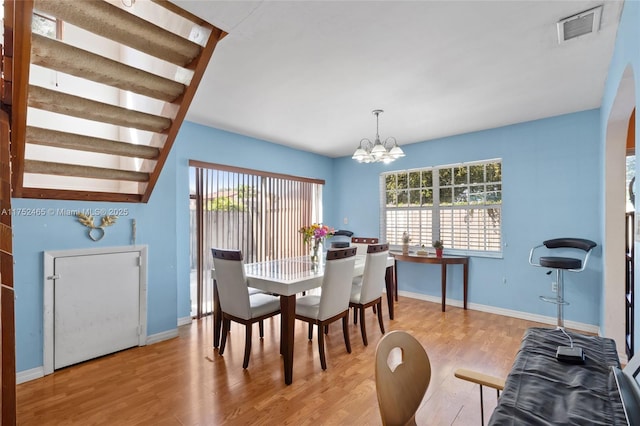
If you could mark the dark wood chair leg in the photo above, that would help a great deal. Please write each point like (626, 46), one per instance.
(223, 339)
(345, 331)
(326, 329)
(355, 315)
(310, 331)
(323, 360)
(261, 326)
(380, 316)
(363, 327)
(247, 345)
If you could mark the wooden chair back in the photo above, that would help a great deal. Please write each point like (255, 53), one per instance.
(403, 372)
(362, 243)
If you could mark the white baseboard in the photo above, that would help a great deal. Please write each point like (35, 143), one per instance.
(589, 328)
(159, 337)
(184, 321)
(28, 375)
(38, 372)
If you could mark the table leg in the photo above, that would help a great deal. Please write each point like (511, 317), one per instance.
(217, 316)
(395, 278)
(389, 282)
(287, 328)
(444, 285)
(465, 281)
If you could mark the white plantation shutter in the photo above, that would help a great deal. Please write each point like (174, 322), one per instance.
(460, 204)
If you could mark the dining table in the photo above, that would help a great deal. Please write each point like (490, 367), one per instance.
(287, 278)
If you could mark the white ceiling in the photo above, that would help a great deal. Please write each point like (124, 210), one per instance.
(307, 74)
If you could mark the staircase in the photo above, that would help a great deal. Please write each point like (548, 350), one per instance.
(95, 110)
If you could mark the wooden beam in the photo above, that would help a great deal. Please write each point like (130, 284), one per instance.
(62, 194)
(76, 106)
(23, 12)
(55, 55)
(47, 137)
(201, 66)
(111, 22)
(7, 296)
(62, 169)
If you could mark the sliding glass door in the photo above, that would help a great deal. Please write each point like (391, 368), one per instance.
(256, 212)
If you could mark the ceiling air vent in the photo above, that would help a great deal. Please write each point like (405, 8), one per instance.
(578, 25)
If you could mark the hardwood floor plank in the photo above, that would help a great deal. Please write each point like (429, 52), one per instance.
(184, 381)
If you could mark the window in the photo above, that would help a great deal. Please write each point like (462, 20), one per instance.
(459, 204)
(256, 212)
(46, 26)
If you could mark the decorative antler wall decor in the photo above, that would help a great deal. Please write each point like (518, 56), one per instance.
(96, 232)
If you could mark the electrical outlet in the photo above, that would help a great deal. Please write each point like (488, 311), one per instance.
(346, 220)
(504, 280)
(554, 286)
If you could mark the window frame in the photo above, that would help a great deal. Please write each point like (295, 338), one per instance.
(432, 209)
(56, 21)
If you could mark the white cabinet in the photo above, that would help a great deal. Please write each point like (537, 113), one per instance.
(95, 304)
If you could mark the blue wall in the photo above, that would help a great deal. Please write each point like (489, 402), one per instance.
(156, 227)
(162, 224)
(552, 177)
(549, 169)
(626, 54)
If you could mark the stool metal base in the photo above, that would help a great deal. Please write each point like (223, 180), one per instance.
(558, 300)
(554, 300)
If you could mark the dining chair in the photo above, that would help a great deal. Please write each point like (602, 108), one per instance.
(333, 302)
(366, 290)
(361, 243)
(403, 373)
(237, 302)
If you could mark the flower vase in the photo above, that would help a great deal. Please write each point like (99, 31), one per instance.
(405, 248)
(315, 259)
(439, 252)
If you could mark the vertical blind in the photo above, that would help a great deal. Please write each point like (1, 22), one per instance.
(256, 212)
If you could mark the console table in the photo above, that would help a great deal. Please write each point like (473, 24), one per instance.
(432, 259)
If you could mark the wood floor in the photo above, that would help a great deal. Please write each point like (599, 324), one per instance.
(184, 381)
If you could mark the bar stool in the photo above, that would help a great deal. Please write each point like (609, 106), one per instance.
(561, 264)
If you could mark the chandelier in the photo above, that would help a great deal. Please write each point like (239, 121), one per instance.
(375, 152)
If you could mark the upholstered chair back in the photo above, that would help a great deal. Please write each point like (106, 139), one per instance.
(233, 291)
(375, 268)
(336, 284)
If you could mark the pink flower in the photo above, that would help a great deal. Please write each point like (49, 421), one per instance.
(316, 232)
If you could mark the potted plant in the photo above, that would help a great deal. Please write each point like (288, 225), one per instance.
(405, 242)
(439, 246)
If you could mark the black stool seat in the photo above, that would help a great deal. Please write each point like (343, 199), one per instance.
(560, 262)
